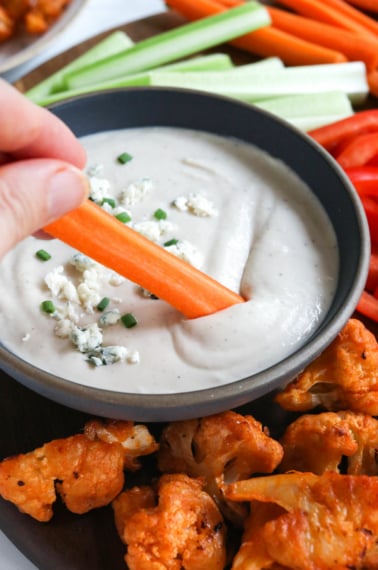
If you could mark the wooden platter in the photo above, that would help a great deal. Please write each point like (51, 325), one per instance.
(29, 420)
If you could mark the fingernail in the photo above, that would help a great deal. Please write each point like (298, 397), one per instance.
(67, 190)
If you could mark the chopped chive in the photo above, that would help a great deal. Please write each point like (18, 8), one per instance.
(103, 304)
(129, 320)
(172, 241)
(160, 214)
(123, 217)
(109, 201)
(48, 307)
(124, 158)
(43, 255)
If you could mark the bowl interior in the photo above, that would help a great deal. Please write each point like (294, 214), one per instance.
(138, 107)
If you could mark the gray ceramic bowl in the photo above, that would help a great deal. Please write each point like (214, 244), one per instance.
(188, 109)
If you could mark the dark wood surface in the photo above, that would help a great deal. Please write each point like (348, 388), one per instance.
(28, 420)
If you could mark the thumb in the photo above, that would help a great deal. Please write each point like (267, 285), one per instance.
(35, 192)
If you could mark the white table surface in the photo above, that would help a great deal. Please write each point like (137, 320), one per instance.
(97, 16)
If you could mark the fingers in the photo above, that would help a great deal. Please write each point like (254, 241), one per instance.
(34, 193)
(29, 131)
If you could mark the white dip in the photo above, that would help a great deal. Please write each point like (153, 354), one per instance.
(238, 214)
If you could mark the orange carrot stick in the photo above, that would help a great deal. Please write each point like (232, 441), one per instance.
(342, 6)
(265, 42)
(347, 42)
(356, 14)
(369, 5)
(372, 79)
(102, 237)
(326, 12)
(270, 41)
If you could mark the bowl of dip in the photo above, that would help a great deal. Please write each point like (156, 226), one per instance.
(234, 191)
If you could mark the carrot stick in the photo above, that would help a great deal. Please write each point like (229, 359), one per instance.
(265, 42)
(270, 41)
(326, 12)
(356, 14)
(372, 79)
(231, 3)
(102, 237)
(369, 5)
(347, 42)
(342, 6)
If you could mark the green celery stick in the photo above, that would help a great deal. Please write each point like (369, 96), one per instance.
(201, 63)
(174, 44)
(218, 61)
(349, 77)
(112, 44)
(310, 110)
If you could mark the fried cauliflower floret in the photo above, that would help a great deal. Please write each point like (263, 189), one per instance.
(25, 481)
(42, 13)
(135, 439)
(344, 376)
(6, 25)
(34, 16)
(304, 521)
(221, 448)
(86, 471)
(178, 527)
(86, 474)
(89, 474)
(321, 442)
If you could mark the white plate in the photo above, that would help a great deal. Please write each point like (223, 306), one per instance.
(23, 46)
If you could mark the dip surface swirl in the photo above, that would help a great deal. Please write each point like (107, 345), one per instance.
(229, 208)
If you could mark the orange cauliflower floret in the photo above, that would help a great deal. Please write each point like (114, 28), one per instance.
(344, 376)
(135, 439)
(221, 448)
(330, 441)
(89, 474)
(85, 471)
(178, 527)
(303, 521)
(6, 25)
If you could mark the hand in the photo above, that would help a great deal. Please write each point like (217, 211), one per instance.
(40, 162)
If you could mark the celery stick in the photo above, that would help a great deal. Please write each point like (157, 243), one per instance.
(174, 44)
(112, 44)
(261, 84)
(308, 123)
(309, 110)
(212, 62)
(308, 104)
(266, 63)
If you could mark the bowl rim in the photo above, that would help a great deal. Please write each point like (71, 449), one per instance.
(168, 406)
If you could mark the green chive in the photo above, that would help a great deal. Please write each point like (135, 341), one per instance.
(123, 217)
(109, 201)
(43, 255)
(160, 214)
(103, 304)
(172, 241)
(124, 158)
(129, 320)
(48, 307)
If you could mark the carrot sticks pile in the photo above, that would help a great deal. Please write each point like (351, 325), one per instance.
(305, 32)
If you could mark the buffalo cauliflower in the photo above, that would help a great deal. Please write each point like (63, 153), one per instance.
(331, 441)
(303, 521)
(344, 376)
(177, 527)
(85, 471)
(221, 448)
(135, 439)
